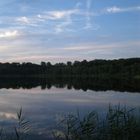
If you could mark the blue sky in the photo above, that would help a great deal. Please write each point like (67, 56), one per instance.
(68, 30)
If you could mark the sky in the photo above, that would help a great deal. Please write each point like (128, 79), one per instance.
(68, 30)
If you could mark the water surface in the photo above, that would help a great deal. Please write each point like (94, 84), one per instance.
(46, 107)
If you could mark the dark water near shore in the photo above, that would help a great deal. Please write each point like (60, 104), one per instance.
(46, 102)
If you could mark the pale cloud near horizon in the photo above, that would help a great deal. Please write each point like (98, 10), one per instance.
(98, 46)
(71, 52)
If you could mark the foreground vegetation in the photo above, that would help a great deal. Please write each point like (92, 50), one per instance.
(119, 123)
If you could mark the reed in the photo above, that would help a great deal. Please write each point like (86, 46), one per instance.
(21, 128)
(120, 123)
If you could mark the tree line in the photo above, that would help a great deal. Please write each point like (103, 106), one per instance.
(120, 68)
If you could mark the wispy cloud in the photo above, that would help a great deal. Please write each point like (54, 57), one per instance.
(88, 16)
(63, 25)
(116, 9)
(64, 17)
(61, 20)
(58, 19)
(24, 20)
(55, 15)
(28, 21)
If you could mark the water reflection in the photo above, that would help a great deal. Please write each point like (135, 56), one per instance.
(46, 108)
(76, 83)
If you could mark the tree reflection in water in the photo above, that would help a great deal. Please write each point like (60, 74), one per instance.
(96, 84)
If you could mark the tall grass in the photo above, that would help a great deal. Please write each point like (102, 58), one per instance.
(22, 127)
(120, 123)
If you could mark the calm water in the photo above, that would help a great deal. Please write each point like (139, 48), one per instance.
(46, 107)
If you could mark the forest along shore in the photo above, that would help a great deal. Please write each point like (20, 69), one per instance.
(120, 69)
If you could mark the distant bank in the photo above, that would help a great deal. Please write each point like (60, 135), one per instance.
(120, 68)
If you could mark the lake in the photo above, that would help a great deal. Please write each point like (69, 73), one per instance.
(45, 103)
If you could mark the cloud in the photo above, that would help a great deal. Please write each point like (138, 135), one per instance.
(24, 20)
(77, 51)
(62, 14)
(57, 20)
(97, 47)
(60, 21)
(78, 48)
(9, 34)
(113, 9)
(61, 27)
(88, 16)
(58, 15)
(30, 21)
(116, 9)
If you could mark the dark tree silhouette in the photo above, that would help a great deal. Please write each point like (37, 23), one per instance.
(121, 68)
